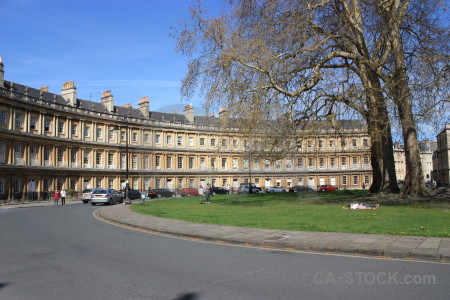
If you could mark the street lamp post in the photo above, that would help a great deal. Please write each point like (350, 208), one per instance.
(127, 186)
(250, 188)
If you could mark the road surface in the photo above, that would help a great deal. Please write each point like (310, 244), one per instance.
(64, 252)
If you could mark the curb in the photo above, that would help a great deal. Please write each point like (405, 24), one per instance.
(107, 214)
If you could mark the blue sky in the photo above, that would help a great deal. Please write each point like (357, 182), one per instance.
(118, 45)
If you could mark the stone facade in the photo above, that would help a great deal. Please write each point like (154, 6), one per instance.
(50, 141)
(441, 159)
(427, 149)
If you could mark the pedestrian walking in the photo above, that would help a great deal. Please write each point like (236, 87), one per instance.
(55, 198)
(200, 194)
(208, 193)
(63, 197)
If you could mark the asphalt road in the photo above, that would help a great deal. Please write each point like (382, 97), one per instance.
(64, 252)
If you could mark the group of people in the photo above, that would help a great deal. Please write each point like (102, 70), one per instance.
(59, 195)
(205, 192)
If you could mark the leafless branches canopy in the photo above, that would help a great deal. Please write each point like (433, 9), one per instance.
(290, 61)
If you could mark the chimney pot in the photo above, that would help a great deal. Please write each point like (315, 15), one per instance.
(106, 94)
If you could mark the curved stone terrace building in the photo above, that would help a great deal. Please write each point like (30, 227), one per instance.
(49, 142)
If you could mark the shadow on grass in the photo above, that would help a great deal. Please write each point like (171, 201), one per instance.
(300, 198)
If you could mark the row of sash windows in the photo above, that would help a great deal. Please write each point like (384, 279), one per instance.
(169, 164)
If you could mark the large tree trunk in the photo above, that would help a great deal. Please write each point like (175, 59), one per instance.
(414, 182)
(401, 94)
(390, 177)
(379, 127)
(382, 153)
(376, 158)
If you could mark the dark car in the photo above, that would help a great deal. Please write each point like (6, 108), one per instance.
(158, 193)
(300, 188)
(132, 194)
(219, 191)
(327, 187)
(186, 192)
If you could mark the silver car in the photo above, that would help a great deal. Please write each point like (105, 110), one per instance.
(106, 196)
(86, 195)
(275, 189)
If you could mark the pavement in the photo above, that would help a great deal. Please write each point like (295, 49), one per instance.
(379, 245)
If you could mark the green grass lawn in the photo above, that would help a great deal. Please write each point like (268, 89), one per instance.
(310, 211)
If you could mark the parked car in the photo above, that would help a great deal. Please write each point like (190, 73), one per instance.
(275, 189)
(327, 187)
(219, 191)
(106, 196)
(85, 195)
(245, 189)
(186, 192)
(158, 193)
(300, 188)
(132, 194)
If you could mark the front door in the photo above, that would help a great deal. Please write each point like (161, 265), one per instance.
(311, 183)
(32, 189)
(31, 186)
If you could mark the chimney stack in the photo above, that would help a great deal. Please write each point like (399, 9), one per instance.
(2, 73)
(222, 112)
(331, 117)
(69, 93)
(189, 113)
(144, 106)
(108, 101)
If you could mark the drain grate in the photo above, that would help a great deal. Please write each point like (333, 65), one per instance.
(277, 238)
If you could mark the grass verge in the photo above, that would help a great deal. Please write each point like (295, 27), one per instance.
(310, 211)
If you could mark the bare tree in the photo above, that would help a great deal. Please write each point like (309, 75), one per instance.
(303, 57)
(411, 39)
